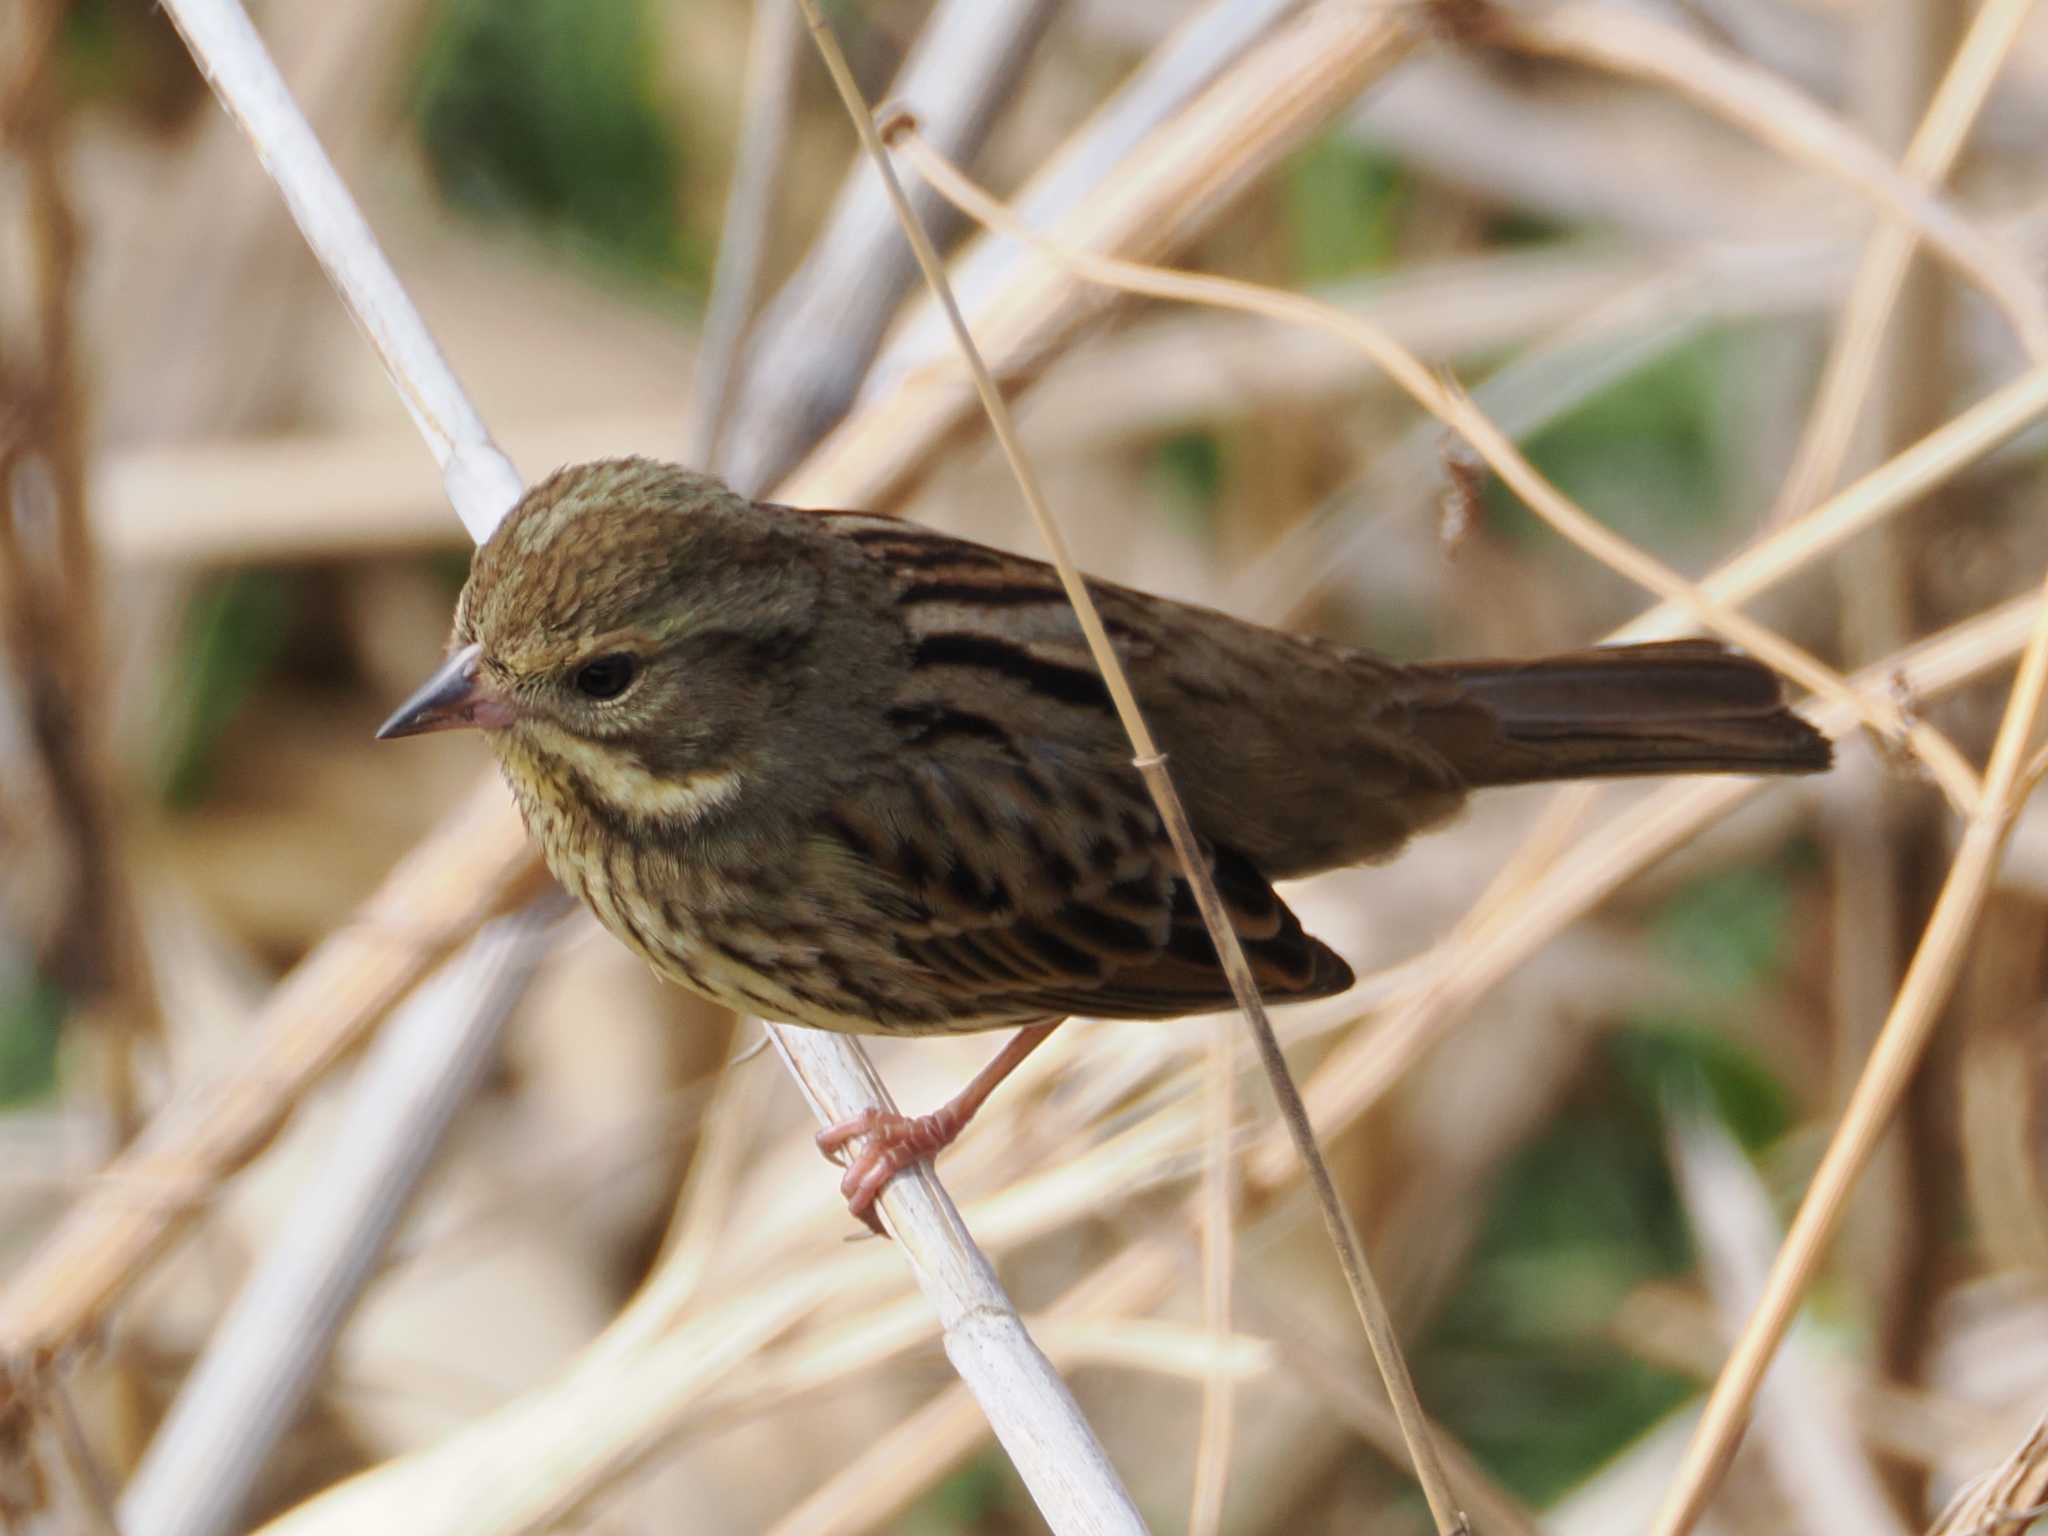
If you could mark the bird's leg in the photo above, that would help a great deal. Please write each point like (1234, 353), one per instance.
(896, 1141)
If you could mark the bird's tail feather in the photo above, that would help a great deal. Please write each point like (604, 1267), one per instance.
(1685, 706)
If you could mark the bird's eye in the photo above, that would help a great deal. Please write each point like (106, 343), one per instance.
(605, 677)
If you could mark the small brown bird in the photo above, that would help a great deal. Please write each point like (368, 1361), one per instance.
(843, 771)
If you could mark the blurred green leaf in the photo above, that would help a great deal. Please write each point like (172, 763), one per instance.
(975, 1497)
(125, 55)
(546, 111)
(31, 1010)
(234, 631)
(1728, 930)
(1644, 456)
(1518, 1363)
(1518, 227)
(1189, 467)
(1343, 208)
(450, 567)
(1667, 1059)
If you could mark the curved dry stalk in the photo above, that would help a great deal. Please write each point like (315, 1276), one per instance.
(1852, 359)
(1900, 1044)
(1637, 44)
(1455, 409)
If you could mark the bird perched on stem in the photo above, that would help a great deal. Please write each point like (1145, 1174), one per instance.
(843, 771)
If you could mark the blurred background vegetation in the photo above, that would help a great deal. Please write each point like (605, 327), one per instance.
(551, 175)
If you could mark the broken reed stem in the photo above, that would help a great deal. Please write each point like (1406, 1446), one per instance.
(1456, 410)
(1151, 763)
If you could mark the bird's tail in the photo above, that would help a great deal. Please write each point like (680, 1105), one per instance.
(1686, 706)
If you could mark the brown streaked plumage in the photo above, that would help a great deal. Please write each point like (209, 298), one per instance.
(848, 772)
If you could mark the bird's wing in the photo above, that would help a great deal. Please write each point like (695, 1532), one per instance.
(1300, 754)
(1031, 872)
(1025, 884)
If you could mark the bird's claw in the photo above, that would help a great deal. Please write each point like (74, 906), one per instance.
(894, 1142)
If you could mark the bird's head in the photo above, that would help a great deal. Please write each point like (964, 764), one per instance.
(633, 624)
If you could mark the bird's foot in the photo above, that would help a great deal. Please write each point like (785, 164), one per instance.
(894, 1142)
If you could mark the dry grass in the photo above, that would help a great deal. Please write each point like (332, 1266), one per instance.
(769, 1375)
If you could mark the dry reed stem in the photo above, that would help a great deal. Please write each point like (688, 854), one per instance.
(1455, 409)
(2008, 1499)
(1171, 185)
(481, 483)
(1219, 1204)
(264, 1356)
(1214, 39)
(1852, 359)
(814, 344)
(1549, 377)
(52, 620)
(1026, 1403)
(1815, 1455)
(773, 49)
(1151, 763)
(1901, 1042)
(876, 1485)
(1637, 44)
(471, 868)
(1667, 1324)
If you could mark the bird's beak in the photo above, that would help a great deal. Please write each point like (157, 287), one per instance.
(452, 699)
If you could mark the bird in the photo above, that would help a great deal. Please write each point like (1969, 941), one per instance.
(846, 771)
